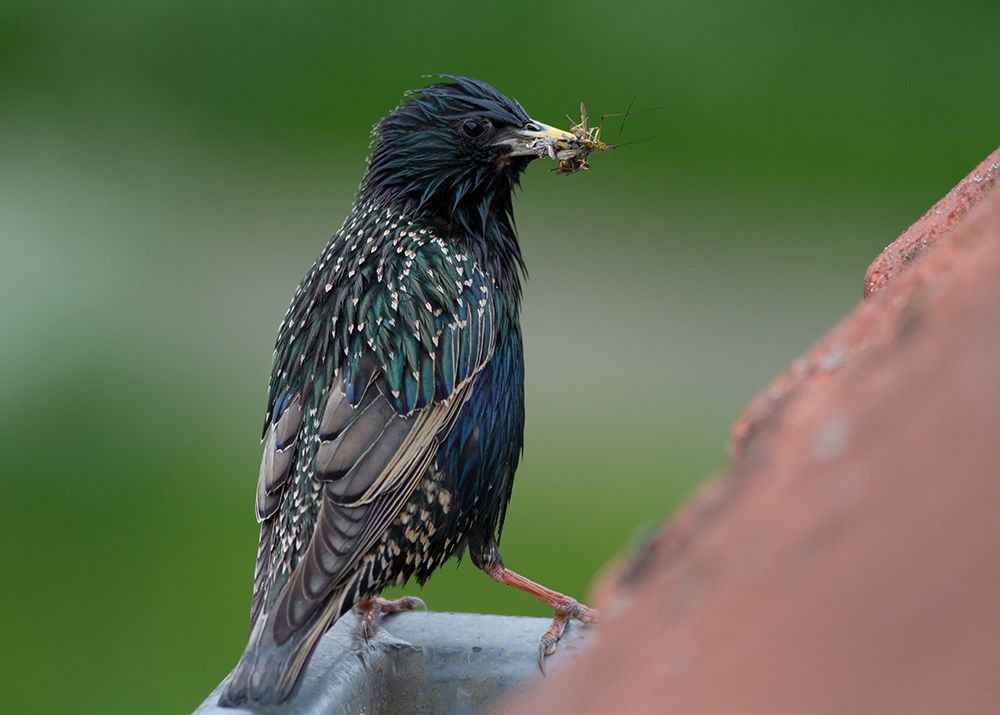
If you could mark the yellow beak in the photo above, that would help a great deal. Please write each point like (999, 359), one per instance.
(538, 139)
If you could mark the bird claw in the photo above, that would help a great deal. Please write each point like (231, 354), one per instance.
(563, 611)
(371, 608)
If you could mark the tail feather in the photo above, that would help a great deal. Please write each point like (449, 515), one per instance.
(268, 672)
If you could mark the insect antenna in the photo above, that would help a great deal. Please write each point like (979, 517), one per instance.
(628, 112)
(634, 141)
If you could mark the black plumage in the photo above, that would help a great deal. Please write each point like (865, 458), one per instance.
(395, 414)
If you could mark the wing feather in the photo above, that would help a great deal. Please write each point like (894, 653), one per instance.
(387, 407)
(275, 465)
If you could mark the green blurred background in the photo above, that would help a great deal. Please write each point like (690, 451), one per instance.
(168, 171)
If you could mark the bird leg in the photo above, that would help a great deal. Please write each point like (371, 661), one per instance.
(563, 607)
(371, 608)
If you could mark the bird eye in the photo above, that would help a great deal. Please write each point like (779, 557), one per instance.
(474, 127)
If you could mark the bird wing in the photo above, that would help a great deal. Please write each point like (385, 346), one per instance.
(409, 368)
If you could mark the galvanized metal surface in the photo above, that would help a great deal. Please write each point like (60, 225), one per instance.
(421, 662)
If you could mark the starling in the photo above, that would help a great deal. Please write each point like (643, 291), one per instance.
(395, 415)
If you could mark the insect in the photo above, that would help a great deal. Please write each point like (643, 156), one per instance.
(572, 151)
(588, 141)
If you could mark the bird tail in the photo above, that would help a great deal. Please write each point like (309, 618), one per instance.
(273, 661)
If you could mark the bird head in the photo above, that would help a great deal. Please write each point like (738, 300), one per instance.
(454, 148)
